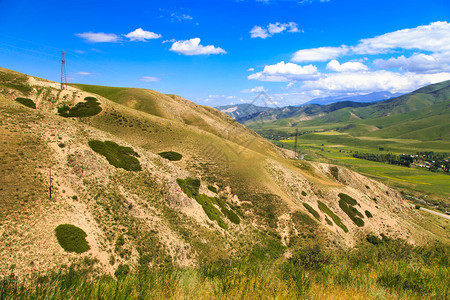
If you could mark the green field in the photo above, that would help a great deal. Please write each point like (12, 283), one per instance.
(338, 148)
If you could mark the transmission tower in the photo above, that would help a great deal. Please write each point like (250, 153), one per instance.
(63, 71)
(295, 146)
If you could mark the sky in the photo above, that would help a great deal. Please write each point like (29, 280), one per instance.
(218, 52)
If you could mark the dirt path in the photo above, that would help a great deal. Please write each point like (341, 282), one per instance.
(436, 213)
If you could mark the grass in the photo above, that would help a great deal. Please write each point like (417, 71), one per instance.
(118, 156)
(27, 102)
(311, 210)
(391, 269)
(323, 207)
(72, 238)
(347, 203)
(90, 107)
(171, 155)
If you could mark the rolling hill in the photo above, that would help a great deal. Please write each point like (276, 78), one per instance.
(143, 179)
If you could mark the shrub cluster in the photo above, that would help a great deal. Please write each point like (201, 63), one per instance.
(311, 210)
(171, 155)
(118, 156)
(27, 102)
(89, 108)
(72, 238)
(323, 207)
(190, 187)
(347, 203)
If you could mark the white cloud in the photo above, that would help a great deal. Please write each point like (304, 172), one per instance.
(434, 37)
(256, 89)
(418, 63)
(286, 72)
(142, 35)
(351, 66)
(99, 37)
(374, 81)
(149, 79)
(193, 47)
(251, 69)
(259, 32)
(273, 28)
(319, 54)
(84, 73)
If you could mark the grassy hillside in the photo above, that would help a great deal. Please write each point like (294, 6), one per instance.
(232, 196)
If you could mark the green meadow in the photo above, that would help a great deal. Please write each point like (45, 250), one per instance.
(337, 148)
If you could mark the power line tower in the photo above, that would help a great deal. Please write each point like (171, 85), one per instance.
(295, 146)
(63, 70)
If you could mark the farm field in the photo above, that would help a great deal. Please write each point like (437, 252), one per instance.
(337, 148)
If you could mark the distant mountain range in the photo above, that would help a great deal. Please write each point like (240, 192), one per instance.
(422, 115)
(245, 112)
(372, 97)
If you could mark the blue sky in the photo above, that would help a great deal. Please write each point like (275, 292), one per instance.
(221, 52)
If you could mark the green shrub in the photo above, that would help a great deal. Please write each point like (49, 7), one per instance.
(323, 207)
(311, 210)
(373, 239)
(368, 214)
(328, 221)
(122, 271)
(89, 108)
(171, 155)
(72, 238)
(118, 156)
(312, 258)
(212, 189)
(335, 172)
(303, 193)
(189, 186)
(27, 102)
(346, 203)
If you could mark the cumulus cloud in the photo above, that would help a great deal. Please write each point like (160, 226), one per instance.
(273, 28)
(281, 72)
(99, 37)
(374, 81)
(142, 35)
(251, 69)
(319, 54)
(256, 89)
(193, 47)
(149, 79)
(351, 66)
(434, 37)
(418, 63)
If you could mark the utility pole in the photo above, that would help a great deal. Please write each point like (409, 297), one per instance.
(50, 183)
(63, 70)
(295, 145)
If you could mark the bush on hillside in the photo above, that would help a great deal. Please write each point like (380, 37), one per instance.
(311, 210)
(72, 238)
(27, 102)
(118, 156)
(323, 207)
(89, 108)
(347, 203)
(171, 155)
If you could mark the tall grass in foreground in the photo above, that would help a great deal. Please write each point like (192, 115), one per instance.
(392, 269)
